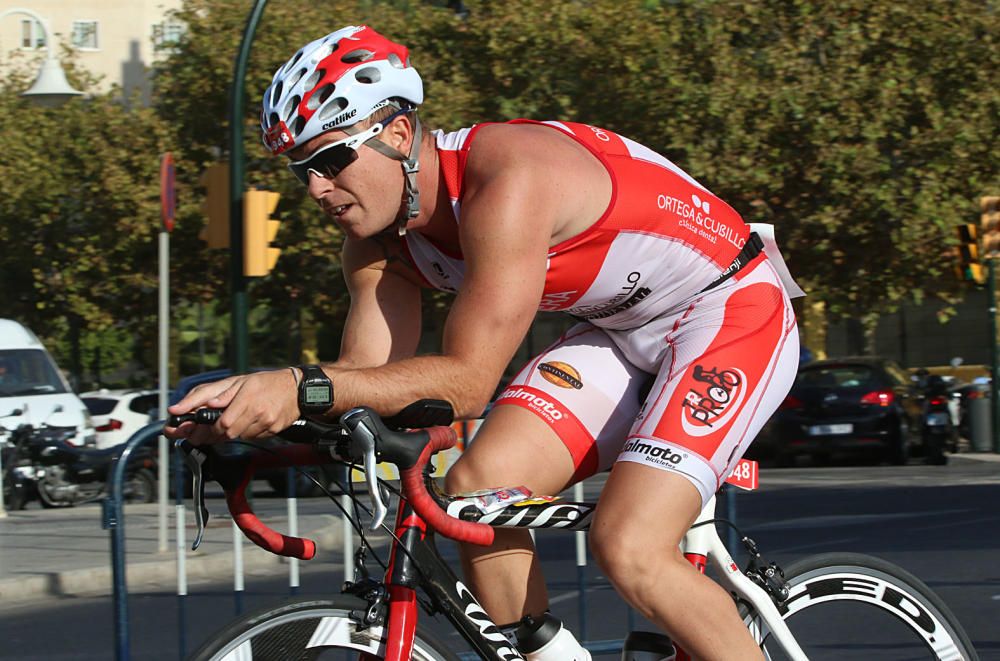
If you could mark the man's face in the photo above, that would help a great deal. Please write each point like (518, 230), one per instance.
(364, 198)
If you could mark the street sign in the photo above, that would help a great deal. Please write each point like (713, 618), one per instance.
(168, 200)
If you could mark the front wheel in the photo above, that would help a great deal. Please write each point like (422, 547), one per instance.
(851, 606)
(310, 630)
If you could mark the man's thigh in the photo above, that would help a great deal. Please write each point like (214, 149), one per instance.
(513, 448)
(563, 418)
(729, 367)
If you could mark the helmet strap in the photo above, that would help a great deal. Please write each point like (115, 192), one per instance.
(411, 166)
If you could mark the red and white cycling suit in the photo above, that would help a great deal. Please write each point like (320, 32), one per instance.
(721, 359)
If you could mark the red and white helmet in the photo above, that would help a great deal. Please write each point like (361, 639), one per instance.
(334, 82)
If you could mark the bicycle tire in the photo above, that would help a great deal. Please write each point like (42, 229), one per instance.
(841, 582)
(309, 630)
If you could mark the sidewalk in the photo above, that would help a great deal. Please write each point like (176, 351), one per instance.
(66, 552)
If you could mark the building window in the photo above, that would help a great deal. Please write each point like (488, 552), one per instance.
(167, 35)
(32, 35)
(85, 35)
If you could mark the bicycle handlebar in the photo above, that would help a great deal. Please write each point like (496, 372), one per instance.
(361, 435)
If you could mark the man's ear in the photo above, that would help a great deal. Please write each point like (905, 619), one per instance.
(399, 133)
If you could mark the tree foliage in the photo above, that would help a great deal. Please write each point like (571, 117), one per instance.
(79, 212)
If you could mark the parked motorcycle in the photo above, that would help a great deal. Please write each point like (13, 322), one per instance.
(40, 462)
(939, 431)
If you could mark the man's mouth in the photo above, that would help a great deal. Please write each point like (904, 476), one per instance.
(339, 210)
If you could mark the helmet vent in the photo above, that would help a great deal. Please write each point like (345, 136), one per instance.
(297, 77)
(320, 96)
(324, 51)
(276, 93)
(293, 61)
(368, 75)
(356, 56)
(273, 119)
(313, 78)
(298, 125)
(332, 108)
(290, 107)
(395, 61)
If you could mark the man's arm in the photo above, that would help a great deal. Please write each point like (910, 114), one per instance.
(508, 214)
(383, 322)
(516, 194)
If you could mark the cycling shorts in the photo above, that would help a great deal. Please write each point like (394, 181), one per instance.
(686, 392)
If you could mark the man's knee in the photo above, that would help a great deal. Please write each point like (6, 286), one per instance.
(619, 554)
(464, 476)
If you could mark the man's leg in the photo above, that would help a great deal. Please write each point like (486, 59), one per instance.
(513, 447)
(641, 518)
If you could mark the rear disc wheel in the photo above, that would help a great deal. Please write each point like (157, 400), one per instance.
(851, 606)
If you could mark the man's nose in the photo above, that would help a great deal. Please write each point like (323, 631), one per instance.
(319, 185)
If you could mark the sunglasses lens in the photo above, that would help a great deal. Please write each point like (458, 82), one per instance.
(327, 162)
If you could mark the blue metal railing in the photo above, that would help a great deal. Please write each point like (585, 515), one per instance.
(114, 520)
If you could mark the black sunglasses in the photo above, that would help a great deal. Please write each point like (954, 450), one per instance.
(327, 161)
(330, 160)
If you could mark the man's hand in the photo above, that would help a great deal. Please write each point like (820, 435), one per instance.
(256, 406)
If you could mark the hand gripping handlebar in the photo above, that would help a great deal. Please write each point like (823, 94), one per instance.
(361, 436)
(234, 472)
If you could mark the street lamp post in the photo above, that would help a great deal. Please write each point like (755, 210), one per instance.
(51, 86)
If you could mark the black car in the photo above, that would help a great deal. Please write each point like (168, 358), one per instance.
(862, 404)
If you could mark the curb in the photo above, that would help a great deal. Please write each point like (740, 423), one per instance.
(97, 581)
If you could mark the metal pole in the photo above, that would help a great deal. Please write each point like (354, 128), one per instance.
(3, 512)
(293, 530)
(182, 587)
(348, 544)
(994, 358)
(238, 284)
(581, 569)
(164, 355)
(238, 585)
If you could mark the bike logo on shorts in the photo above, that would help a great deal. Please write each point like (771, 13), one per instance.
(713, 398)
(563, 375)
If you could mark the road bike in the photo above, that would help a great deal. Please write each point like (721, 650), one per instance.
(835, 606)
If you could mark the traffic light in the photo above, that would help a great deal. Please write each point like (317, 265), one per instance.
(968, 253)
(259, 230)
(215, 179)
(989, 225)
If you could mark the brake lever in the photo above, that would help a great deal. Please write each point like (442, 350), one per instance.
(194, 459)
(363, 439)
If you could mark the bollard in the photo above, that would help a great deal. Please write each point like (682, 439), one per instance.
(181, 556)
(293, 529)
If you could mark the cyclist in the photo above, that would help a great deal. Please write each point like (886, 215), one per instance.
(686, 342)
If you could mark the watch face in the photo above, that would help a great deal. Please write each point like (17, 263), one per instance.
(318, 394)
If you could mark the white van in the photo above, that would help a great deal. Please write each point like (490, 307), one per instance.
(31, 382)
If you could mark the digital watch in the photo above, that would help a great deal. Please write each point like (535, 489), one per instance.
(315, 390)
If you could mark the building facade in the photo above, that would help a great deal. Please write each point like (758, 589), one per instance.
(116, 40)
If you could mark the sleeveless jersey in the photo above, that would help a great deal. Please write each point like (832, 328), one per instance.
(663, 238)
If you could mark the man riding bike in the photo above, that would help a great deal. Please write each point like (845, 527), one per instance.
(686, 343)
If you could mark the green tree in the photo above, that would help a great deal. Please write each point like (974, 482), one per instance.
(79, 213)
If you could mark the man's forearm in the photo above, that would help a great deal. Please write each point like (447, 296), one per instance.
(390, 387)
